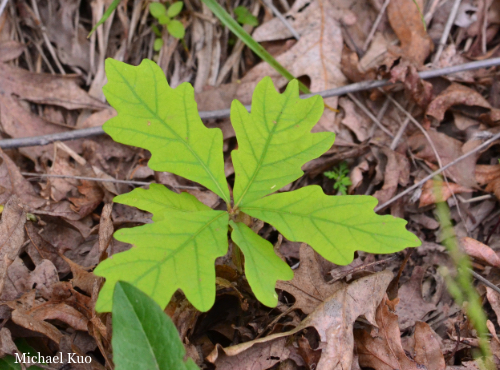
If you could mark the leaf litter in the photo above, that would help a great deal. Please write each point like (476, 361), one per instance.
(54, 231)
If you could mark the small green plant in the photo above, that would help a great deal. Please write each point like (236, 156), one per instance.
(178, 250)
(144, 337)
(164, 17)
(244, 16)
(340, 175)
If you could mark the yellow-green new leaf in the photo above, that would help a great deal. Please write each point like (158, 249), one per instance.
(165, 121)
(262, 266)
(158, 199)
(177, 252)
(274, 140)
(335, 226)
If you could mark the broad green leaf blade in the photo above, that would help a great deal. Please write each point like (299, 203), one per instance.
(157, 10)
(274, 140)
(144, 337)
(244, 36)
(175, 9)
(177, 252)
(158, 199)
(165, 121)
(335, 226)
(262, 266)
(176, 29)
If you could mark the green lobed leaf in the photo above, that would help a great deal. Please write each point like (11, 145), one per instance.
(175, 9)
(244, 16)
(262, 266)
(157, 10)
(177, 251)
(274, 140)
(165, 121)
(144, 337)
(176, 29)
(335, 226)
(159, 199)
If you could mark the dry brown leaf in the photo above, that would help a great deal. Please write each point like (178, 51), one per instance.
(308, 286)
(494, 299)
(382, 349)
(427, 349)
(418, 90)
(489, 175)
(61, 312)
(405, 19)
(356, 122)
(455, 94)
(333, 320)
(21, 318)
(412, 307)
(92, 197)
(445, 190)
(397, 171)
(12, 182)
(105, 228)
(10, 50)
(448, 150)
(317, 54)
(7, 346)
(480, 251)
(11, 235)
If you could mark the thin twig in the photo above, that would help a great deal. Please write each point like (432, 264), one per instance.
(446, 32)
(129, 182)
(224, 113)
(425, 179)
(370, 114)
(488, 283)
(283, 20)
(375, 25)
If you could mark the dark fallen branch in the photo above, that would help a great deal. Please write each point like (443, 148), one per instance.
(360, 86)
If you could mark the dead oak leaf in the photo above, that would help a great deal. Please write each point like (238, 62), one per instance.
(382, 349)
(397, 172)
(406, 21)
(480, 251)
(448, 150)
(317, 54)
(455, 94)
(333, 319)
(308, 286)
(432, 188)
(489, 175)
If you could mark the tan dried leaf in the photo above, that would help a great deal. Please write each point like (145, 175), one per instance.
(308, 286)
(480, 251)
(333, 320)
(397, 171)
(427, 348)
(455, 94)
(489, 175)
(11, 235)
(405, 19)
(433, 189)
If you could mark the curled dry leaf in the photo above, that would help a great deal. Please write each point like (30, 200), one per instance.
(11, 235)
(397, 171)
(308, 285)
(455, 94)
(382, 349)
(412, 306)
(427, 348)
(480, 251)
(448, 150)
(317, 54)
(489, 175)
(445, 190)
(12, 182)
(333, 319)
(406, 21)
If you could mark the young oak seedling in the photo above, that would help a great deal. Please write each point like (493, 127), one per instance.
(178, 250)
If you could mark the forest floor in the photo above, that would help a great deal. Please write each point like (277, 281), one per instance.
(387, 140)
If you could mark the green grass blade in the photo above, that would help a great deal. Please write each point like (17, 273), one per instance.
(235, 28)
(105, 16)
